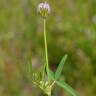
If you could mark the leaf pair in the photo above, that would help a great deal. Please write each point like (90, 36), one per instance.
(57, 75)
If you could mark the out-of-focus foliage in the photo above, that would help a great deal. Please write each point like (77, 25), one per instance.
(71, 29)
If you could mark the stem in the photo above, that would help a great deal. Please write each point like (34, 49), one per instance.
(53, 83)
(49, 95)
(46, 53)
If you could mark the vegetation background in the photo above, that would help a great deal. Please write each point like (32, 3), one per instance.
(71, 29)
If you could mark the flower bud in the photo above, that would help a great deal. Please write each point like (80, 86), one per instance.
(43, 9)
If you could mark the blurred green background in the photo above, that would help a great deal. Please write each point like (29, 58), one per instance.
(71, 29)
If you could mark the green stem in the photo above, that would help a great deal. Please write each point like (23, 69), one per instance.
(46, 53)
(49, 95)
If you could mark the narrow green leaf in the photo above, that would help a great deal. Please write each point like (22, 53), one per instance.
(43, 70)
(38, 75)
(51, 75)
(66, 87)
(30, 70)
(60, 67)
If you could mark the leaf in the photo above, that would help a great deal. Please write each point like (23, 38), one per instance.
(30, 70)
(43, 70)
(65, 86)
(38, 76)
(60, 67)
(51, 75)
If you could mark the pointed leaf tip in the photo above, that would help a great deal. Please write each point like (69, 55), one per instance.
(60, 67)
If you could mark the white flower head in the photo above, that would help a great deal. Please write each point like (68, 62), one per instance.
(43, 9)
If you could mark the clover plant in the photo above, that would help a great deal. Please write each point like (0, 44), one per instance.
(38, 77)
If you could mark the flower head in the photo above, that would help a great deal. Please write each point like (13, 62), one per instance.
(43, 9)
